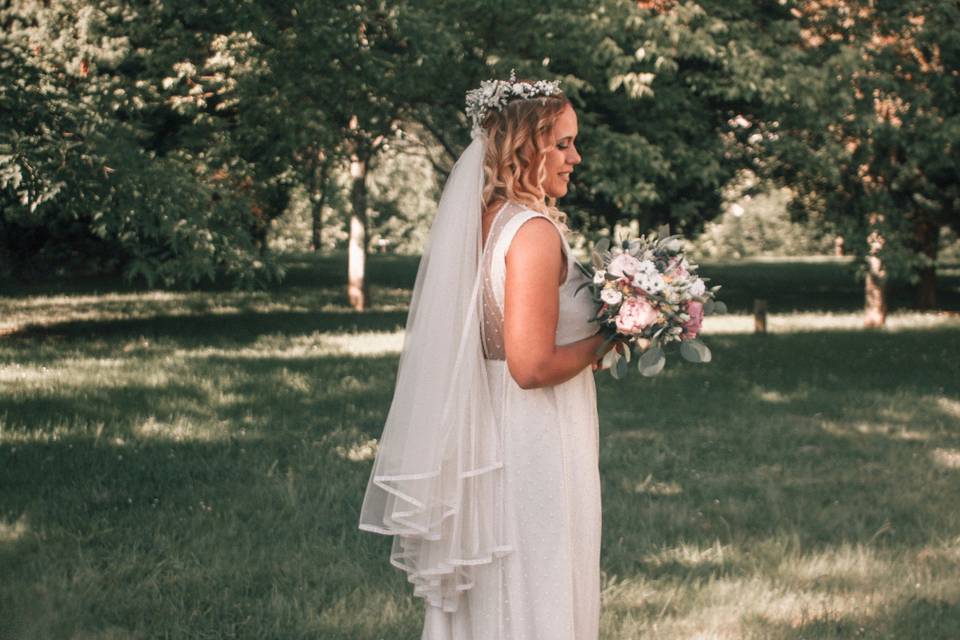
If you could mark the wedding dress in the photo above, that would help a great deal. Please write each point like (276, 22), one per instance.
(491, 492)
(547, 587)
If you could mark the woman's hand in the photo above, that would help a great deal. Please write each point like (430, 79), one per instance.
(617, 343)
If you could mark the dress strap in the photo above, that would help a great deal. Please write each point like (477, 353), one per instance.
(502, 231)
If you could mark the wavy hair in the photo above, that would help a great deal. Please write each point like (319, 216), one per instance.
(517, 138)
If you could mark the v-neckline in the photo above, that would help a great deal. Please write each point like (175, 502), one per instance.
(493, 221)
(565, 249)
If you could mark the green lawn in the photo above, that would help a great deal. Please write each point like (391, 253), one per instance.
(191, 464)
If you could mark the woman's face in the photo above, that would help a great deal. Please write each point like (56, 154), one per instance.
(561, 156)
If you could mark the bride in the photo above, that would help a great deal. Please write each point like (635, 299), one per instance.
(487, 470)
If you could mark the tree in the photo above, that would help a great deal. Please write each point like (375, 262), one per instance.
(656, 86)
(93, 169)
(871, 148)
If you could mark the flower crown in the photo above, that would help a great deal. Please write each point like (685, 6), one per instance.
(495, 94)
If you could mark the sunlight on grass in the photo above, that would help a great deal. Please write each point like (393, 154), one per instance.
(949, 406)
(946, 458)
(181, 429)
(772, 396)
(652, 487)
(48, 310)
(365, 344)
(846, 582)
(358, 344)
(360, 452)
(893, 431)
(732, 324)
(13, 531)
(73, 372)
(43, 433)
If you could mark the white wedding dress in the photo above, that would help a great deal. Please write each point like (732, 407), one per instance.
(548, 586)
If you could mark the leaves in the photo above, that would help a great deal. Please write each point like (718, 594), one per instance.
(651, 361)
(695, 351)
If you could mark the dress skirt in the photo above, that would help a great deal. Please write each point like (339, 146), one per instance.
(548, 586)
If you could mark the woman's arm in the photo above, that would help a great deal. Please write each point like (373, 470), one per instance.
(531, 309)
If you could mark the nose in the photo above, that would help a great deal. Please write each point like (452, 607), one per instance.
(573, 157)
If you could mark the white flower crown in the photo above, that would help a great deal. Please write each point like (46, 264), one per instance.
(495, 94)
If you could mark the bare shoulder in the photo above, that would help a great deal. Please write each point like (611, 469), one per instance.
(536, 244)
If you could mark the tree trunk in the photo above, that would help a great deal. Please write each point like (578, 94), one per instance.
(357, 247)
(875, 286)
(928, 241)
(875, 311)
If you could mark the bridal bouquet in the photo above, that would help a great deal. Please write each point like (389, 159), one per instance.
(650, 297)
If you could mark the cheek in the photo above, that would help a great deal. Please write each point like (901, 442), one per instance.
(553, 162)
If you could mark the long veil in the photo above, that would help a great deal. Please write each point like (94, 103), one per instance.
(436, 484)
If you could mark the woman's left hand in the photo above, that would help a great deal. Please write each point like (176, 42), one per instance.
(642, 343)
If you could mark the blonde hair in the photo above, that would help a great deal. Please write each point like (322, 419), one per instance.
(517, 138)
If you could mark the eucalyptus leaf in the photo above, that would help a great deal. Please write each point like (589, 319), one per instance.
(602, 245)
(709, 307)
(609, 358)
(695, 351)
(651, 362)
(720, 307)
(619, 370)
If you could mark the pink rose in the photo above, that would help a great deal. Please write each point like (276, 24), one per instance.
(692, 326)
(635, 315)
(678, 267)
(623, 264)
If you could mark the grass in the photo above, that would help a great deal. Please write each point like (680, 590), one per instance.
(190, 465)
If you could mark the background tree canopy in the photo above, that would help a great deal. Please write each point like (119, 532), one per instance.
(166, 140)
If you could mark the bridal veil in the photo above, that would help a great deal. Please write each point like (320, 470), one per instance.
(436, 483)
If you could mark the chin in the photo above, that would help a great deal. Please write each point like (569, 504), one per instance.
(557, 192)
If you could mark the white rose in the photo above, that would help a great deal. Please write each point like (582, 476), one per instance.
(697, 288)
(623, 264)
(599, 277)
(611, 296)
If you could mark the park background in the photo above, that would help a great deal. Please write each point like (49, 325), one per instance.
(210, 223)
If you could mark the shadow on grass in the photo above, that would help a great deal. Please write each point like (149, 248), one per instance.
(813, 437)
(234, 538)
(827, 285)
(919, 618)
(814, 286)
(217, 328)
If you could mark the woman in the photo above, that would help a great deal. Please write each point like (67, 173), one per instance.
(487, 468)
